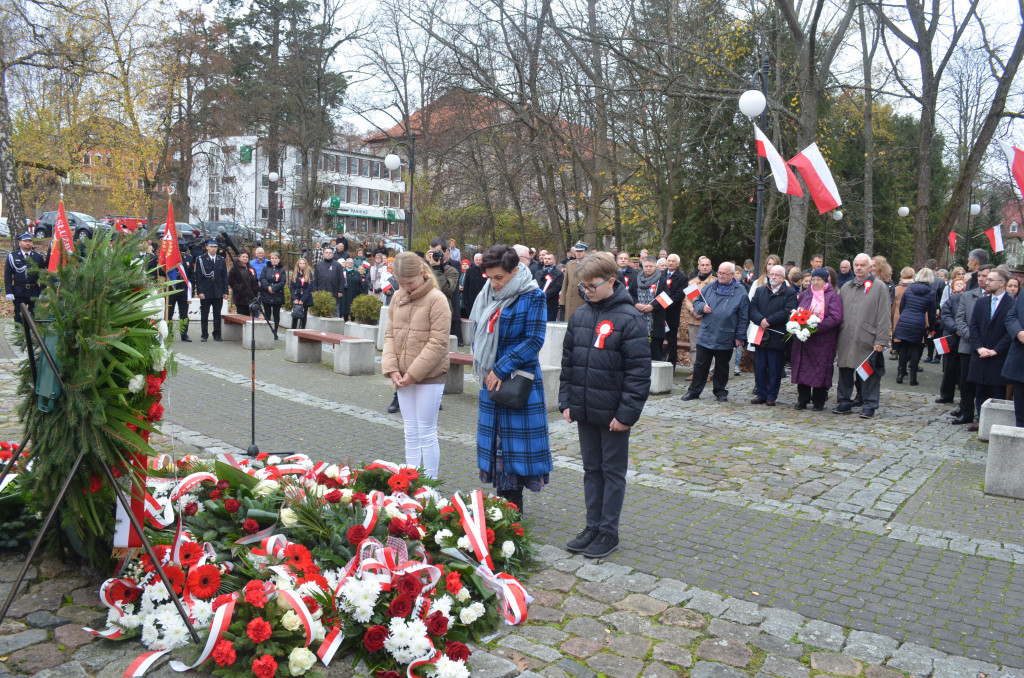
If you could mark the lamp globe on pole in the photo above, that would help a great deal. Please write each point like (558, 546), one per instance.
(903, 211)
(837, 215)
(273, 177)
(752, 103)
(975, 209)
(392, 161)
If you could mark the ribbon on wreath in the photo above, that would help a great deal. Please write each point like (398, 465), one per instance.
(300, 609)
(475, 524)
(221, 622)
(512, 596)
(276, 472)
(143, 663)
(189, 482)
(126, 539)
(375, 502)
(389, 466)
(159, 461)
(112, 593)
(330, 646)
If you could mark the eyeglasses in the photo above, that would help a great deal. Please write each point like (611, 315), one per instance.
(589, 288)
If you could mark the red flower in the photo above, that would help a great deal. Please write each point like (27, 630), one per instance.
(412, 531)
(517, 529)
(222, 599)
(156, 411)
(203, 581)
(191, 508)
(262, 456)
(513, 506)
(361, 498)
(215, 495)
(396, 527)
(258, 630)
(254, 594)
(447, 510)
(311, 604)
(131, 594)
(332, 483)
(410, 474)
(181, 463)
(398, 483)
(356, 534)
(177, 577)
(453, 582)
(409, 585)
(490, 536)
(334, 496)
(189, 553)
(373, 639)
(298, 555)
(264, 667)
(232, 505)
(152, 385)
(223, 485)
(389, 674)
(144, 435)
(224, 653)
(437, 623)
(400, 606)
(250, 526)
(5, 455)
(455, 651)
(95, 484)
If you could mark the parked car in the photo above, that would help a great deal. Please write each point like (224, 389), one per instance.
(184, 230)
(240, 235)
(82, 225)
(120, 223)
(4, 231)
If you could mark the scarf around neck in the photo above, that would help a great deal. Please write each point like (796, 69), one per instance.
(489, 303)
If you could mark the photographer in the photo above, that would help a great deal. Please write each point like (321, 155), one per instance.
(447, 276)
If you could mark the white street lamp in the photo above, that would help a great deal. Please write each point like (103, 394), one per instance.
(392, 161)
(903, 211)
(273, 177)
(837, 215)
(975, 209)
(752, 103)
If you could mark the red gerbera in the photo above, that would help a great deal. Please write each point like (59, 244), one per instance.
(177, 577)
(189, 553)
(203, 581)
(258, 630)
(398, 483)
(410, 474)
(264, 667)
(224, 653)
(297, 555)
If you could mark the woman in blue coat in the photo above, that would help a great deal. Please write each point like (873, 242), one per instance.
(917, 319)
(510, 313)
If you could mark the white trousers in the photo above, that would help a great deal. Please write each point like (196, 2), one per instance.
(420, 403)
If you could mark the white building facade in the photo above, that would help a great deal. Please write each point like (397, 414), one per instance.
(231, 182)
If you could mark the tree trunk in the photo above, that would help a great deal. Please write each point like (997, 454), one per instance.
(924, 170)
(869, 136)
(8, 175)
(806, 128)
(597, 175)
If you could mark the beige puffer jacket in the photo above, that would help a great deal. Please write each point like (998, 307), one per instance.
(416, 339)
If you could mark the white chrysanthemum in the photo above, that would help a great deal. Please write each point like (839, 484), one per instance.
(113, 616)
(150, 636)
(156, 593)
(813, 321)
(273, 460)
(202, 610)
(494, 513)
(176, 635)
(508, 549)
(792, 326)
(463, 543)
(803, 335)
(441, 535)
(362, 613)
(291, 621)
(288, 517)
(443, 604)
(442, 502)
(300, 660)
(137, 383)
(161, 329)
(450, 668)
(463, 594)
(131, 621)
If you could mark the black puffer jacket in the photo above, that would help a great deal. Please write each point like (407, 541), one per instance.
(599, 384)
(917, 314)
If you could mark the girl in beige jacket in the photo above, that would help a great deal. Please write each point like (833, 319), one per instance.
(416, 357)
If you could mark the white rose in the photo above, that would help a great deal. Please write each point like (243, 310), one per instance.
(332, 471)
(463, 543)
(137, 383)
(441, 535)
(289, 517)
(265, 487)
(291, 621)
(392, 511)
(508, 549)
(346, 496)
(315, 490)
(300, 661)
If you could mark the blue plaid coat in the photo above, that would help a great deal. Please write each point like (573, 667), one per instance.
(523, 433)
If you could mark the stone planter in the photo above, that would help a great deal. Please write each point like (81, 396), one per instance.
(361, 331)
(313, 322)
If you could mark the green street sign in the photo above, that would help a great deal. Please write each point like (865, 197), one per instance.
(245, 153)
(391, 215)
(335, 201)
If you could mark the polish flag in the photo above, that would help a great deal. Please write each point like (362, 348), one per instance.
(818, 178)
(866, 370)
(664, 299)
(387, 287)
(758, 336)
(692, 292)
(366, 264)
(785, 180)
(995, 238)
(952, 242)
(1015, 157)
(942, 345)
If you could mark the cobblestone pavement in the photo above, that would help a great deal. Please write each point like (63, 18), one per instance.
(787, 543)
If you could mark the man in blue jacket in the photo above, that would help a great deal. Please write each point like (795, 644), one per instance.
(723, 307)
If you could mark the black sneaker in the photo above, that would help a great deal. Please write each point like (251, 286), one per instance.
(582, 540)
(604, 545)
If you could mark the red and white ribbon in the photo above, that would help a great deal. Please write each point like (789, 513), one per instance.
(300, 609)
(112, 593)
(220, 624)
(604, 328)
(330, 646)
(143, 663)
(275, 472)
(390, 466)
(159, 461)
(512, 596)
(475, 524)
(189, 482)
(376, 503)
(493, 321)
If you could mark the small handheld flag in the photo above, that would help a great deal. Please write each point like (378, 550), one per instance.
(547, 283)
(692, 292)
(664, 299)
(995, 238)
(866, 370)
(758, 336)
(952, 242)
(941, 345)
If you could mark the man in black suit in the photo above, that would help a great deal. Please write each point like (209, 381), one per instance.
(990, 341)
(329, 276)
(675, 283)
(549, 278)
(626, 274)
(211, 283)
(1013, 370)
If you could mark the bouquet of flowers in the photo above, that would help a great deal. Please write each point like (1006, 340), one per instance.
(802, 324)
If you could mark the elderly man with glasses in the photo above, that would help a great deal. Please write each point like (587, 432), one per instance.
(723, 307)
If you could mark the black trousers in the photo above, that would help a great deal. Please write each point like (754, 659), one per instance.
(967, 386)
(178, 301)
(817, 396)
(703, 366)
(299, 323)
(272, 312)
(28, 301)
(950, 375)
(657, 348)
(605, 461)
(1018, 403)
(672, 339)
(204, 312)
(983, 392)
(909, 353)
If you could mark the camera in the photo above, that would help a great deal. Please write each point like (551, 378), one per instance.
(435, 254)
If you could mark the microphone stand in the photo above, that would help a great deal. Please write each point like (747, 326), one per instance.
(254, 309)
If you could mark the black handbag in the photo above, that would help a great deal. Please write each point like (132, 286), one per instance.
(298, 312)
(514, 391)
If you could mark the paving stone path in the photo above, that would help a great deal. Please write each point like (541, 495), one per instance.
(783, 542)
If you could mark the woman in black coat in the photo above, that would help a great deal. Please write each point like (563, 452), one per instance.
(243, 283)
(650, 284)
(272, 282)
(917, 321)
(951, 359)
(301, 288)
(475, 281)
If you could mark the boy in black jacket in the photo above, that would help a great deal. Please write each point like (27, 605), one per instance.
(606, 376)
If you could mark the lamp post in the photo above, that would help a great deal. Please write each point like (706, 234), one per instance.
(272, 201)
(393, 162)
(973, 211)
(753, 103)
(837, 215)
(903, 211)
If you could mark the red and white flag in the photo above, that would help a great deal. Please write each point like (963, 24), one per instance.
(785, 180)
(62, 241)
(995, 238)
(692, 292)
(952, 242)
(818, 178)
(1015, 157)
(664, 300)
(941, 345)
(387, 286)
(758, 336)
(866, 370)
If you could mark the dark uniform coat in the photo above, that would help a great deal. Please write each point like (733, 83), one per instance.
(211, 279)
(989, 331)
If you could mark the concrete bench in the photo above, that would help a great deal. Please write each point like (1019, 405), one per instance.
(551, 351)
(661, 377)
(231, 325)
(259, 329)
(1004, 467)
(456, 379)
(352, 355)
(995, 412)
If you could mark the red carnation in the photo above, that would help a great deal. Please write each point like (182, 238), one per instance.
(189, 553)
(490, 536)
(145, 436)
(250, 526)
(400, 606)
(262, 456)
(373, 639)
(156, 411)
(356, 535)
(453, 582)
(95, 484)
(152, 385)
(409, 585)
(264, 667)
(224, 653)
(191, 508)
(437, 623)
(222, 599)
(258, 630)
(310, 604)
(447, 512)
(215, 495)
(513, 506)
(334, 496)
(203, 581)
(517, 529)
(254, 594)
(456, 651)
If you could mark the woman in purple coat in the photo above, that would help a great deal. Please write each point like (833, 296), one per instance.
(813, 360)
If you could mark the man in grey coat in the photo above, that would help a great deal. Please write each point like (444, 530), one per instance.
(723, 307)
(867, 315)
(965, 412)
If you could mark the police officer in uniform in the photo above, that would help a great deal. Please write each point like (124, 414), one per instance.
(21, 284)
(180, 297)
(211, 282)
